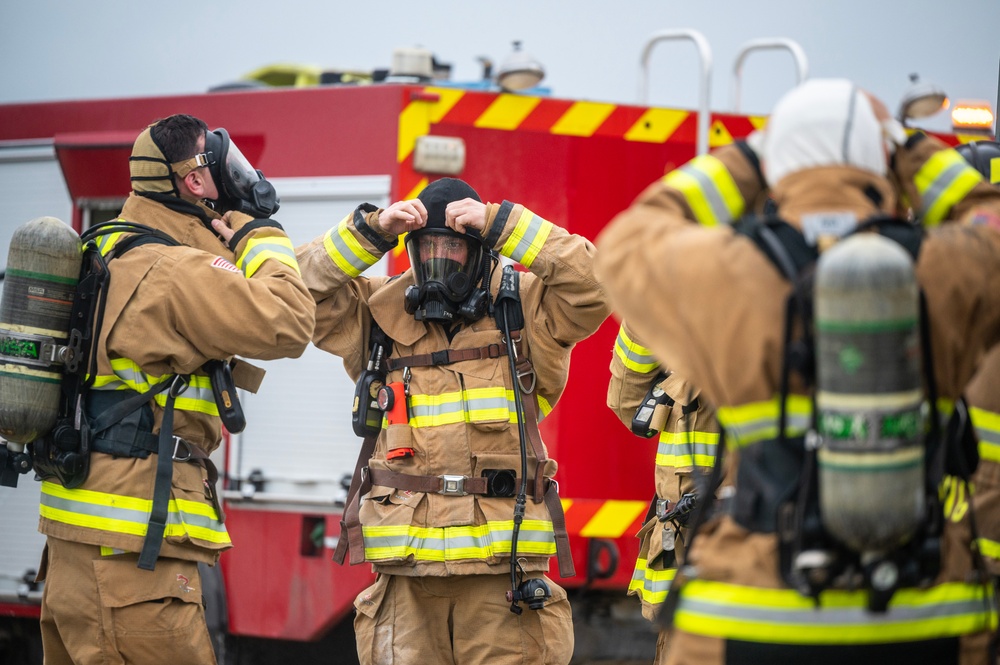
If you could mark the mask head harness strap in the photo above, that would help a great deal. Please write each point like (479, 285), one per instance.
(149, 170)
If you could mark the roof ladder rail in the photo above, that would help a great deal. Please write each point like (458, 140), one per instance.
(705, 53)
(801, 62)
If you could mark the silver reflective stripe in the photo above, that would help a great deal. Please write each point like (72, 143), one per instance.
(263, 249)
(346, 251)
(456, 543)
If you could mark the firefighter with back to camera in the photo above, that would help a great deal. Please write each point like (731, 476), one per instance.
(655, 401)
(459, 361)
(196, 273)
(837, 348)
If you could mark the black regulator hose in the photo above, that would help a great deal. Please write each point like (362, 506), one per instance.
(508, 315)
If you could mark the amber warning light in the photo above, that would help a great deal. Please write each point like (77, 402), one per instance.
(972, 115)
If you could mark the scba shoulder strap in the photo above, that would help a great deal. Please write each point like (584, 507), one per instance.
(943, 453)
(99, 432)
(379, 362)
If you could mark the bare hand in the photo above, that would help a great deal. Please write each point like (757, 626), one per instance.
(230, 223)
(465, 214)
(403, 217)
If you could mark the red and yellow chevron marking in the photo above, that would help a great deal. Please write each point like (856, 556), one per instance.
(598, 518)
(559, 117)
(507, 112)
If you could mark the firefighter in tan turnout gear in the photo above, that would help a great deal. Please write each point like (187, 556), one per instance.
(653, 402)
(123, 546)
(435, 505)
(774, 576)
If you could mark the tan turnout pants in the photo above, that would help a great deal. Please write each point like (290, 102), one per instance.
(102, 609)
(463, 619)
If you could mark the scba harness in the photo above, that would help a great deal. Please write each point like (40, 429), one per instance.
(778, 485)
(372, 403)
(120, 422)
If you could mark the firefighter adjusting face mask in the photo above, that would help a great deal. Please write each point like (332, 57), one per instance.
(241, 187)
(447, 265)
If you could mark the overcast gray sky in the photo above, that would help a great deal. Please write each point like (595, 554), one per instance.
(61, 49)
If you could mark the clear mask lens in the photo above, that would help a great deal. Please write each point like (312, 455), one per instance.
(240, 175)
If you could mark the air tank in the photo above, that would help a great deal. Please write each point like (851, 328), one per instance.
(43, 266)
(869, 393)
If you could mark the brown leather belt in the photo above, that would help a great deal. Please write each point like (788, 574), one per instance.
(447, 356)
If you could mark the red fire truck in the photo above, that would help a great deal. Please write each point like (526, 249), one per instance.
(327, 148)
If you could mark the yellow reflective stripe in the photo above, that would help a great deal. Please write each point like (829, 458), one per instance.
(258, 250)
(469, 405)
(527, 238)
(544, 408)
(118, 513)
(943, 181)
(635, 357)
(129, 372)
(709, 189)
(954, 499)
(346, 251)
(106, 242)
(198, 396)
(681, 449)
(987, 425)
(758, 421)
(651, 585)
(783, 616)
(455, 543)
(989, 548)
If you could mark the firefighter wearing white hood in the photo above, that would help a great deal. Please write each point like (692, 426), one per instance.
(828, 158)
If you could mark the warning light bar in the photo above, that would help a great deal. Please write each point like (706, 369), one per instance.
(972, 115)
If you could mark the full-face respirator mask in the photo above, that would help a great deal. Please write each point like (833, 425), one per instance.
(241, 187)
(450, 269)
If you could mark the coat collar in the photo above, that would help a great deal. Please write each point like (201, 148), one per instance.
(187, 229)
(836, 189)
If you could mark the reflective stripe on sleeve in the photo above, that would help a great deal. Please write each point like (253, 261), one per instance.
(346, 251)
(942, 182)
(709, 189)
(258, 250)
(527, 238)
(635, 357)
(987, 426)
(682, 449)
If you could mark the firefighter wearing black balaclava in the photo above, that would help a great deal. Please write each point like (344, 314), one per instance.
(437, 509)
(123, 545)
(768, 578)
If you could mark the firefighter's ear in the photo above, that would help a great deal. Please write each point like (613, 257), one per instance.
(195, 183)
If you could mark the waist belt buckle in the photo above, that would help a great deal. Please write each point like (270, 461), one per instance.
(452, 485)
(180, 443)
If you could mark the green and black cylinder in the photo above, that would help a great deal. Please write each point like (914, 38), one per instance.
(43, 267)
(869, 394)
